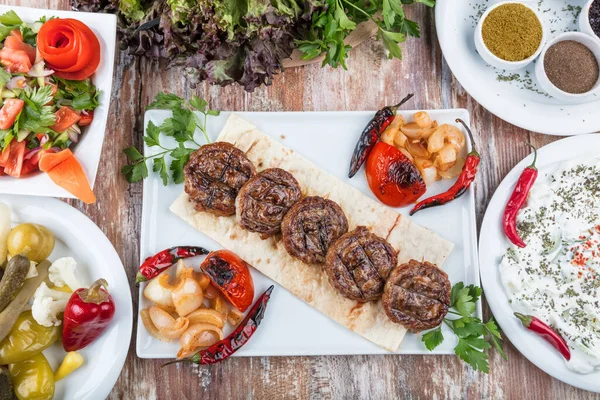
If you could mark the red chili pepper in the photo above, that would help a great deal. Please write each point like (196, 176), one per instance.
(466, 177)
(156, 264)
(87, 314)
(371, 134)
(538, 326)
(516, 201)
(239, 337)
(230, 274)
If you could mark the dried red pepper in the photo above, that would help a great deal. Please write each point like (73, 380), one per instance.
(466, 177)
(231, 275)
(87, 314)
(239, 337)
(156, 264)
(370, 135)
(538, 326)
(517, 200)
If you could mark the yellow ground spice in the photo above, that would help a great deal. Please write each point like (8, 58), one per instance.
(512, 32)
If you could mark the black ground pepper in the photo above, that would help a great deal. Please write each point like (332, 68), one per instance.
(571, 67)
(595, 17)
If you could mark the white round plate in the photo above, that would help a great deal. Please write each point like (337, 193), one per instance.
(80, 238)
(493, 245)
(516, 99)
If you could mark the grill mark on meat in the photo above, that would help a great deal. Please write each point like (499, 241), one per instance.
(417, 295)
(354, 272)
(311, 226)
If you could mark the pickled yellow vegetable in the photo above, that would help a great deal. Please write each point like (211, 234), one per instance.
(34, 241)
(32, 379)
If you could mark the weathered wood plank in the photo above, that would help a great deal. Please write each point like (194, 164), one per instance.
(370, 83)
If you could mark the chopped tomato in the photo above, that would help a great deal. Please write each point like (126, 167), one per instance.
(66, 117)
(14, 164)
(86, 118)
(15, 60)
(17, 33)
(2, 171)
(16, 42)
(9, 112)
(69, 47)
(4, 156)
(35, 159)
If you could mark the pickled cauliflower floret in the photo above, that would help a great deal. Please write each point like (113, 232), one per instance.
(62, 273)
(48, 304)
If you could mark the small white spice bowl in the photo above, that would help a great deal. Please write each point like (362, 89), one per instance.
(592, 43)
(584, 19)
(496, 61)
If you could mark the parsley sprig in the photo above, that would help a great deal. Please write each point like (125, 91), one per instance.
(182, 126)
(332, 26)
(470, 330)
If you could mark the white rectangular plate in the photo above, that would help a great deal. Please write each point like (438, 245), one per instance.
(291, 327)
(89, 148)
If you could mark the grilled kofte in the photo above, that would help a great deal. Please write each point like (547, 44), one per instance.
(417, 295)
(264, 200)
(214, 175)
(358, 264)
(311, 226)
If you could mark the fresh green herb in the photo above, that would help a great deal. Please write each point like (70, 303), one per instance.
(5, 76)
(331, 26)
(36, 116)
(470, 330)
(81, 95)
(182, 126)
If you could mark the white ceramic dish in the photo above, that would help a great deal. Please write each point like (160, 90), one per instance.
(588, 41)
(290, 326)
(80, 238)
(584, 20)
(512, 96)
(89, 148)
(492, 59)
(493, 245)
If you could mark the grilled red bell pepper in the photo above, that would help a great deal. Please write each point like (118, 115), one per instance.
(230, 274)
(392, 177)
(88, 313)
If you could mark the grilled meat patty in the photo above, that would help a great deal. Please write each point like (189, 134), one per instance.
(311, 226)
(359, 263)
(417, 295)
(264, 200)
(214, 175)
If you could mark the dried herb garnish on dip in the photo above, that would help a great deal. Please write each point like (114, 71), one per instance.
(594, 16)
(571, 66)
(512, 32)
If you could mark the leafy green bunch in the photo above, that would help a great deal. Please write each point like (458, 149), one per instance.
(182, 127)
(331, 27)
(470, 330)
(10, 21)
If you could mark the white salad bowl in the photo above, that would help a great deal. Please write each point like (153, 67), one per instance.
(584, 19)
(89, 148)
(496, 61)
(591, 43)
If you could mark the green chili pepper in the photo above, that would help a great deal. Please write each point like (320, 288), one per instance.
(33, 379)
(26, 339)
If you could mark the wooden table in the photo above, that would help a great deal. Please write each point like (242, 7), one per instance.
(370, 83)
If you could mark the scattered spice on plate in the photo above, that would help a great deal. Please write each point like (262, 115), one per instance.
(512, 32)
(571, 67)
(595, 17)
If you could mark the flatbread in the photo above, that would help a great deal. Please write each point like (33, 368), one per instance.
(309, 282)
